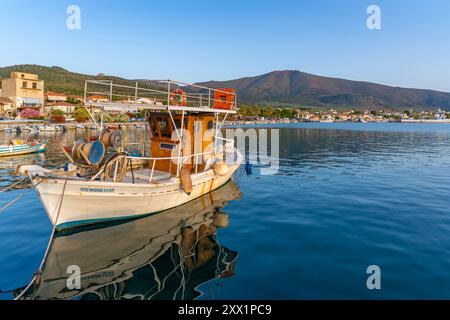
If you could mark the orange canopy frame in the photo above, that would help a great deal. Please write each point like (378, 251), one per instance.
(224, 98)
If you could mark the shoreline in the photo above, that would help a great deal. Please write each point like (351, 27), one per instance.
(69, 126)
(274, 122)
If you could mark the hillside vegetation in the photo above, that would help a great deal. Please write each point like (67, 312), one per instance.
(277, 88)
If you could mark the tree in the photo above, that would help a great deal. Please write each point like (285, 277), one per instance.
(81, 114)
(73, 100)
(276, 113)
(244, 110)
(58, 119)
(286, 113)
(141, 113)
(56, 112)
(267, 112)
(106, 117)
(121, 117)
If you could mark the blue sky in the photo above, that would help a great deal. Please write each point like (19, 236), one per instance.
(204, 40)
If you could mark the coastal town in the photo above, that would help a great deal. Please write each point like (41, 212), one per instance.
(252, 114)
(23, 98)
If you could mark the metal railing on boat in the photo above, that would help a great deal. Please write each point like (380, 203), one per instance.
(128, 98)
(179, 160)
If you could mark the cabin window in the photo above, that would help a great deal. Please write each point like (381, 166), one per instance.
(178, 123)
(163, 126)
(153, 127)
(210, 124)
(24, 84)
(34, 85)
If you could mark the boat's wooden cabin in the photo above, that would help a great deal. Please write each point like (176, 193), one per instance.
(197, 137)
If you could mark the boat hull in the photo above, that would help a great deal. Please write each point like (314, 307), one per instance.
(88, 202)
(6, 151)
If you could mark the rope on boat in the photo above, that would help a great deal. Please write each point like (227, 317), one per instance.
(19, 197)
(37, 274)
(13, 200)
(7, 291)
(14, 184)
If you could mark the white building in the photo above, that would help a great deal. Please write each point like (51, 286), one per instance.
(6, 107)
(65, 107)
(55, 97)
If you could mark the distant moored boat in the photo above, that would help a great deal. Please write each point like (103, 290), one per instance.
(19, 147)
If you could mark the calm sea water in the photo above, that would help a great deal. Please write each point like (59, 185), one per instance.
(346, 196)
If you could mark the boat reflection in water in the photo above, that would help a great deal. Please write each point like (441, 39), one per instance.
(163, 256)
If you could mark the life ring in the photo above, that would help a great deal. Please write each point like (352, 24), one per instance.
(178, 97)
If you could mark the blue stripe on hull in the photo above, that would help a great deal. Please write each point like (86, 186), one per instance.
(5, 151)
(81, 223)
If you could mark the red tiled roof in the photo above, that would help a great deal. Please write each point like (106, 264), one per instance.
(98, 97)
(55, 94)
(59, 104)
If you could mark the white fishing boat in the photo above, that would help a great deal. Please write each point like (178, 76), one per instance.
(47, 128)
(26, 128)
(188, 159)
(19, 147)
(8, 130)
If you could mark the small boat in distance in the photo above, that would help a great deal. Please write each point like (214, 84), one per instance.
(26, 128)
(47, 128)
(20, 147)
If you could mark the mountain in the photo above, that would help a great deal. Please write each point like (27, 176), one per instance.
(299, 88)
(282, 88)
(60, 80)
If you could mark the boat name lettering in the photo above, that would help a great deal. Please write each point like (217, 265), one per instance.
(92, 189)
(166, 146)
(99, 275)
